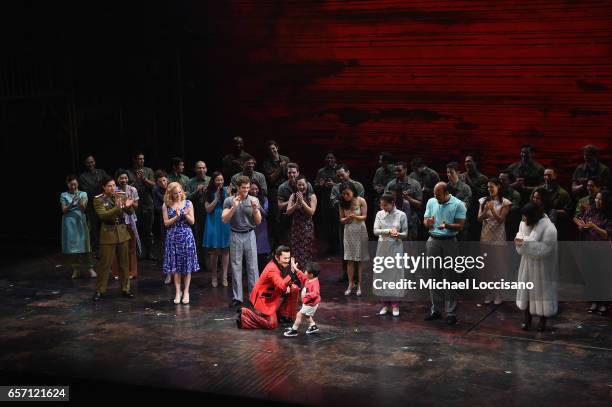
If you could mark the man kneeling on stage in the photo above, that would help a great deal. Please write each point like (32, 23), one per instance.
(278, 280)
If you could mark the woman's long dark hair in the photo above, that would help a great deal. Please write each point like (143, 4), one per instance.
(307, 193)
(399, 196)
(261, 194)
(497, 182)
(606, 200)
(546, 203)
(211, 189)
(532, 213)
(344, 204)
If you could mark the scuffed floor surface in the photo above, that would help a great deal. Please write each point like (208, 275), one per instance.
(50, 326)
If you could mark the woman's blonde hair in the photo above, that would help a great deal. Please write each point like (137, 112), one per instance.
(173, 187)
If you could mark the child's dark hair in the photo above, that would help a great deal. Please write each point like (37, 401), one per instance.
(313, 268)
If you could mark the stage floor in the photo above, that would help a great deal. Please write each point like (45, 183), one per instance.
(50, 327)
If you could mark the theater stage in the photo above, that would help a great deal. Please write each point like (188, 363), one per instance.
(53, 333)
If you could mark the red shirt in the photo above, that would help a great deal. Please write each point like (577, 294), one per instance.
(312, 294)
(268, 290)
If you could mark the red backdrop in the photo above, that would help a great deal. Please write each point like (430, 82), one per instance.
(435, 79)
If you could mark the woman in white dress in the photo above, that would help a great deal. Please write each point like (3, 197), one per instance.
(391, 226)
(536, 242)
(492, 214)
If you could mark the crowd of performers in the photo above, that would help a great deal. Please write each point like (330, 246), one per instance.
(206, 222)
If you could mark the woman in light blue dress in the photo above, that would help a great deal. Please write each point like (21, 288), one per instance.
(216, 233)
(75, 233)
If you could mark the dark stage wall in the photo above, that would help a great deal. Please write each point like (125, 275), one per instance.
(437, 79)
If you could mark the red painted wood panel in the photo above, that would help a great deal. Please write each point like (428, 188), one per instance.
(436, 79)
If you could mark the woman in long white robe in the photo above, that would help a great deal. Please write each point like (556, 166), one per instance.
(537, 245)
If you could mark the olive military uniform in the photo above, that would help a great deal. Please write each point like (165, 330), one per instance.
(114, 237)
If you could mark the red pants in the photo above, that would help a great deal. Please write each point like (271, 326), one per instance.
(288, 308)
(256, 320)
(253, 320)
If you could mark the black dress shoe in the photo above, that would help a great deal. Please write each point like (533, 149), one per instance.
(542, 324)
(433, 316)
(527, 323)
(602, 310)
(451, 320)
(235, 303)
(98, 296)
(238, 323)
(127, 294)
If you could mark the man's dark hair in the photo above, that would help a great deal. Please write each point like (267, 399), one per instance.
(417, 162)
(343, 167)
(402, 164)
(271, 143)
(293, 165)
(591, 149)
(527, 146)
(386, 156)
(596, 180)
(242, 180)
(175, 161)
(105, 180)
(160, 173)
(281, 249)
(453, 165)
(510, 175)
(136, 153)
(313, 268)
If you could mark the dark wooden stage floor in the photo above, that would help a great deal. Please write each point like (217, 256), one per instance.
(51, 328)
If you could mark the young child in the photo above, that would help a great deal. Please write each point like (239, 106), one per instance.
(311, 296)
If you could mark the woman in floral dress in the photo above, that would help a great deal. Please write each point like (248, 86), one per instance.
(181, 258)
(301, 208)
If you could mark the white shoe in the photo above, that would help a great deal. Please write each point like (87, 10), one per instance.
(177, 300)
(215, 283)
(383, 311)
(358, 293)
(348, 291)
(92, 273)
(116, 277)
(396, 311)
